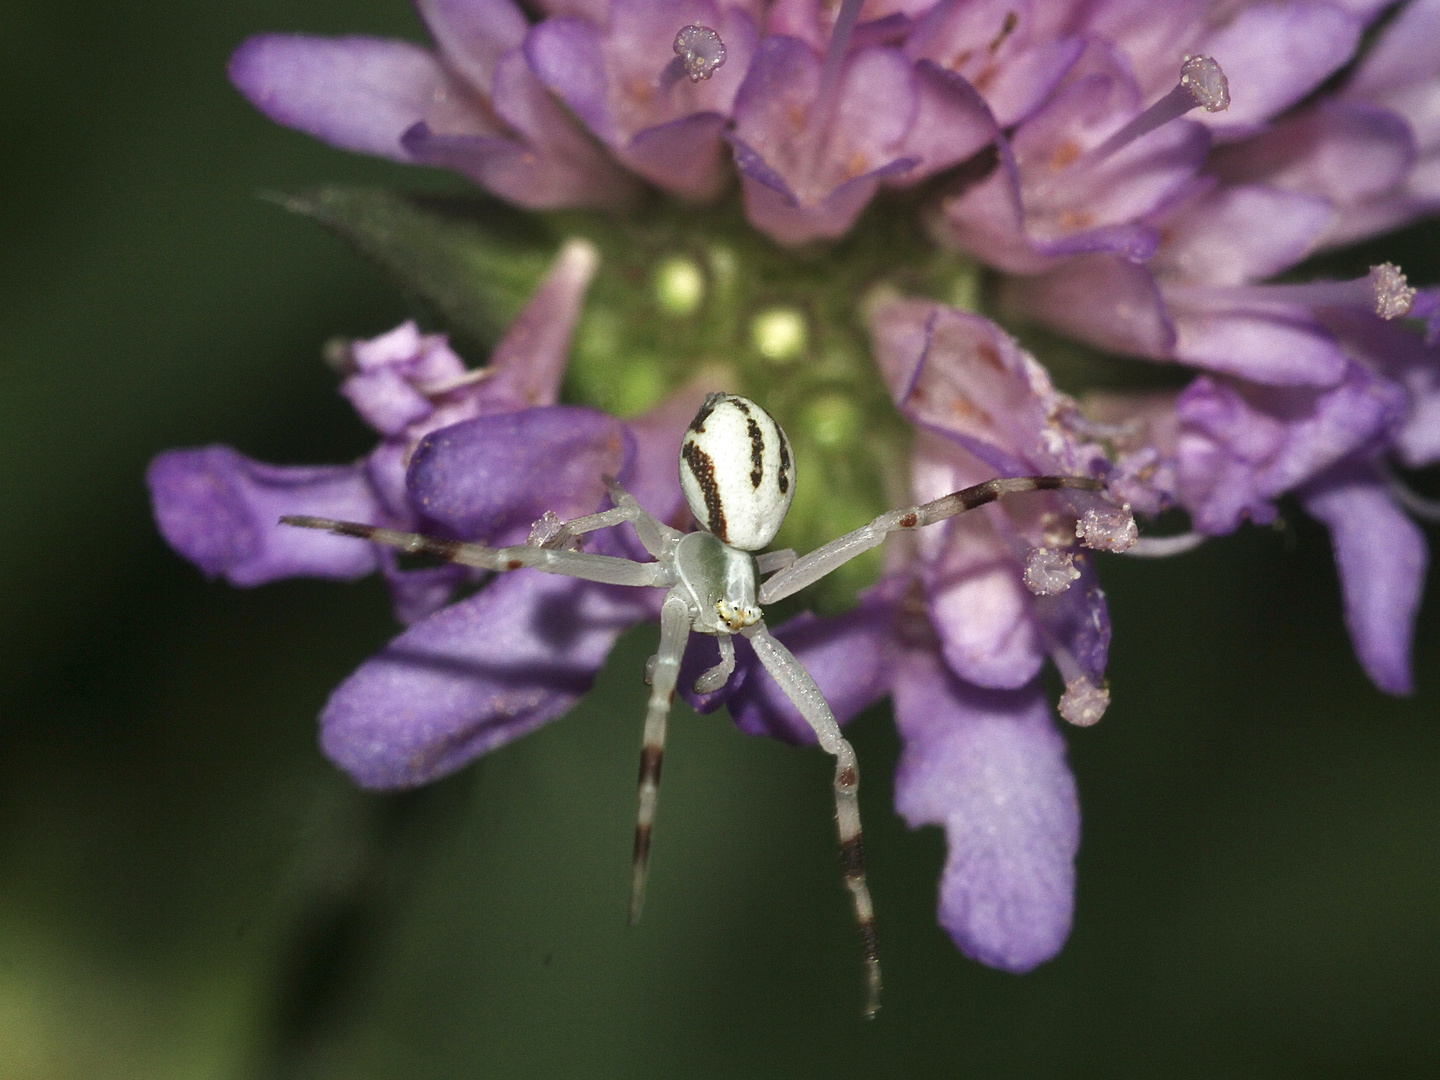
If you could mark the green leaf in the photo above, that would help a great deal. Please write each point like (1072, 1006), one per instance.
(472, 260)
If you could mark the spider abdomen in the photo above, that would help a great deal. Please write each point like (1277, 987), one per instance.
(737, 471)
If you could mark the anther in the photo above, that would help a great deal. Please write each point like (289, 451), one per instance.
(699, 52)
(1393, 296)
(1107, 527)
(1083, 703)
(1202, 85)
(1049, 571)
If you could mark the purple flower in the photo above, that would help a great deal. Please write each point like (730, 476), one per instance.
(221, 510)
(610, 73)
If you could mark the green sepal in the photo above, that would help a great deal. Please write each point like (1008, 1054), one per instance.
(472, 260)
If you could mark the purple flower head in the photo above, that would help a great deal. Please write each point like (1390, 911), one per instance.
(1134, 174)
(221, 510)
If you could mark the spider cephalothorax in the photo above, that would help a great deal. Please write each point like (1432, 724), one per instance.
(738, 476)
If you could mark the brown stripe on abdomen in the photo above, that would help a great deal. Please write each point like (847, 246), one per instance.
(757, 452)
(702, 468)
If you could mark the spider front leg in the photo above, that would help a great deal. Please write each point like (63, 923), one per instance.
(800, 688)
(654, 534)
(577, 564)
(675, 620)
(812, 567)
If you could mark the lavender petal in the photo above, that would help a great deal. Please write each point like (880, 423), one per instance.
(472, 677)
(990, 767)
(222, 511)
(489, 479)
(1381, 555)
(356, 93)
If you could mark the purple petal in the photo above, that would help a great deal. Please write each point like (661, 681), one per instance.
(472, 34)
(1410, 361)
(529, 361)
(1236, 452)
(1240, 234)
(993, 45)
(961, 375)
(990, 767)
(1344, 151)
(851, 658)
(811, 166)
(594, 10)
(951, 123)
(473, 676)
(222, 512)
(1274, 54)
(1040, 205)
(684, 156)
(553, 164)
(417, 594)
(1381, 555)
(357, 93)
(981, 609)
(1110, 302)
(1284, 346)
(390, 373)
(489, 479)
(1402, 55)
(566, 55)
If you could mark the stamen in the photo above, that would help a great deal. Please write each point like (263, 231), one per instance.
(1202, 85)
(1083, 703)
(699, 52)
(1160, 547)
(1049, 571)
(1383, 291)
(845, 21)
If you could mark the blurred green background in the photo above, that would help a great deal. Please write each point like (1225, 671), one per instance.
(187, 889)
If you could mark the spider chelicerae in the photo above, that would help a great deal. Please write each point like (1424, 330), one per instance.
(738, 476)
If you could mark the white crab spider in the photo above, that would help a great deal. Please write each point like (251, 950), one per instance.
(738, 477)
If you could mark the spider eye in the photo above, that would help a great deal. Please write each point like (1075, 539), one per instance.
(736, 471)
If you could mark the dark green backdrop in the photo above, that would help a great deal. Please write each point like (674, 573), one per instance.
(187, 889)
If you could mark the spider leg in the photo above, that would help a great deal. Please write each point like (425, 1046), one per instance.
(717, 676)
(775, 560)
(577, 564)
(800, 688)
(653, 533)
(675, 622)
(815, 565)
